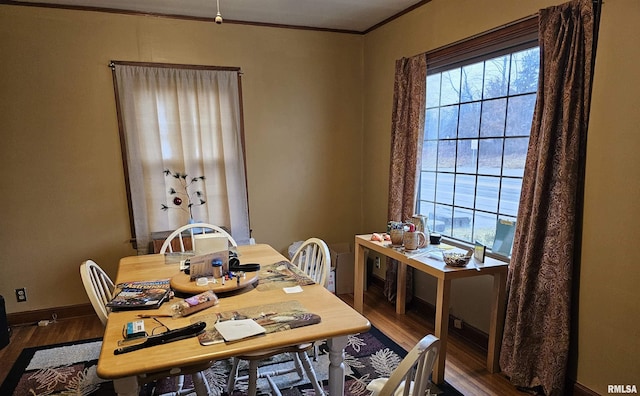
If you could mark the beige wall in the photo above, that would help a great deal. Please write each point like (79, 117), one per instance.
(609, 320)
(608, 330)
(433, 25)
(317, 117)
(62, 197)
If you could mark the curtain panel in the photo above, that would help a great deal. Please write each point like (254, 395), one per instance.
(535, 344)
(185, 121)
(407, 134)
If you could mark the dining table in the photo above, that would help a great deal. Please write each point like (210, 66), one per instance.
(429, 260)
(338, 320)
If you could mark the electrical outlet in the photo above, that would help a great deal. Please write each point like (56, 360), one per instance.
(377, 261)
(21, 294)
(457, 323)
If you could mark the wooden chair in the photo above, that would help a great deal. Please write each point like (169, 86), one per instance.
(190, 230)
(312, 257)
(414, 369)
(100, 288)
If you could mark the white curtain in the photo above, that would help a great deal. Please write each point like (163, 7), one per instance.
(186, 121)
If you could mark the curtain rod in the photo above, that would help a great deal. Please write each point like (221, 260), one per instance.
(596, 3)
(113, 63)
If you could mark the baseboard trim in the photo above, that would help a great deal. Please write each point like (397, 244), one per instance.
(474, 336)
(581, 390)
(71, 311)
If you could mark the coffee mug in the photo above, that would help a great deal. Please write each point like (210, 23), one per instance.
(414, 240)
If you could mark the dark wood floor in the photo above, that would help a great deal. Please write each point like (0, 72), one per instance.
(465, 368)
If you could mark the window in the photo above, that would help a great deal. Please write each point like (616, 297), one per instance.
(477, 122)
(179, 120)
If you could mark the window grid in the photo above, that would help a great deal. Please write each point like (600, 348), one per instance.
(468, 229)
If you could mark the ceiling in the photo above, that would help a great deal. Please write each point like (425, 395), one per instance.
(342, 15)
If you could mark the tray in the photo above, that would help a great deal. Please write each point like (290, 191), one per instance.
(182, 282)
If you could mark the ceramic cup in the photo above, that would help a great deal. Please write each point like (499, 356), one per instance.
(397, 235)
(414, 240)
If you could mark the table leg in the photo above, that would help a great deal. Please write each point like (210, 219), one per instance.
(336, 365)
(442, 327)
(498, 306)
(127, 386)
(401, 288)
(359, 273)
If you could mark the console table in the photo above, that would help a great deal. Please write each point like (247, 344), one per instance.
(444, 274)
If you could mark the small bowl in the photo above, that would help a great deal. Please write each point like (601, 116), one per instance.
(456, 259)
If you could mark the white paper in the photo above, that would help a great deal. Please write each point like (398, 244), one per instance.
(294, 289)
(233, 330)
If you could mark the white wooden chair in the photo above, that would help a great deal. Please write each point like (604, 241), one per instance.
(190, 230)
(414, 369)
(99, 288)
(313, 258)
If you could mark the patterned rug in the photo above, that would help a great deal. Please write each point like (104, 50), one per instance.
(70, 369)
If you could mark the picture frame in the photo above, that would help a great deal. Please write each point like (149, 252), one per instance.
(479, 251)
(201, 266)
(505, 231)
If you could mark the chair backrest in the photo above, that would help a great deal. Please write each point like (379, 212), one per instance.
(312, 257)
(190, 230)
(414, 370)
(99, 287)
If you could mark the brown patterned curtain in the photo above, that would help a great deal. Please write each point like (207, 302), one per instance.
(407, 130)
(535, 344)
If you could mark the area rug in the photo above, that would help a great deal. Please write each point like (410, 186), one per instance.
(65, 369)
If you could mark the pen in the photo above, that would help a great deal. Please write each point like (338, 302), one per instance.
(154, 316)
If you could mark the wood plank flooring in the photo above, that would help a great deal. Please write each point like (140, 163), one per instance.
(466, 363)
(64, 330)
(465, 368)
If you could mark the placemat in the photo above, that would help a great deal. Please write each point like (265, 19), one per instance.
(281, 274)
(273, 317)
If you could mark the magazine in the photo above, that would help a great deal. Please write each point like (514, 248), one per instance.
(140, 295)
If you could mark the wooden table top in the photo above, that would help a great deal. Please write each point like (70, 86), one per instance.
(338, 319)
(436, 267)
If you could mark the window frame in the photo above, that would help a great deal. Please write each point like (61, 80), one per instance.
(507, 39)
